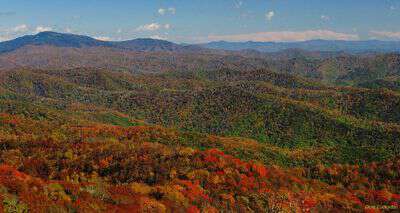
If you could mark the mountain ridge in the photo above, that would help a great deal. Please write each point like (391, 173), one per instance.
(153, 45)
(81, 41)
(310, 45)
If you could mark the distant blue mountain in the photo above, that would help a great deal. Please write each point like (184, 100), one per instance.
(79, 41)
(53, 39)
(312, 45)
(146, 44)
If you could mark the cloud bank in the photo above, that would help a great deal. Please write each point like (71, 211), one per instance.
(102, 38)
(283, 36)
(153, 27)
(386, 34)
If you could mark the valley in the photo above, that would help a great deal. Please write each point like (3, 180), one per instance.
(92, 126)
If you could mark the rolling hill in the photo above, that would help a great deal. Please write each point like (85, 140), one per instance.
(153, 126)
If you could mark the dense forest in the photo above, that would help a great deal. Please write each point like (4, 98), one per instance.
(98, 129)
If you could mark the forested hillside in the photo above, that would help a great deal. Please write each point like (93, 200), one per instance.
(117, 135)
(100, 129)
(336, 69)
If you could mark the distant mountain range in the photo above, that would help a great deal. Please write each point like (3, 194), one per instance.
(312, 45)
(79, 41)
(154, 45)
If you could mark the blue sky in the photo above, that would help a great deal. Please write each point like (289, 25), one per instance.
(195, 21)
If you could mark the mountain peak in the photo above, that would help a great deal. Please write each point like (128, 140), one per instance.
(46, 33)
(79, 41)
(50, 35)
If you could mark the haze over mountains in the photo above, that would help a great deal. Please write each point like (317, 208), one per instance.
(312, 45)
(79, 41)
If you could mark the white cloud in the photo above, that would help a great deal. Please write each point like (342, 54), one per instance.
(282, 36)
(20, 28)
(149, 27)
(13, 32)
(42, 29)
(269, 15)
(386, 34)
(161, 11)
(153, 27)
(102, 38)
(325, 18)
(158, 37)
(392, 7)
(172, 10)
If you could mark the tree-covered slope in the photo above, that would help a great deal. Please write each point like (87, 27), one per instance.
(217, 134)
(282, 110)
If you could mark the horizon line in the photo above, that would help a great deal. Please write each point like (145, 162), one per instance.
(99, 38)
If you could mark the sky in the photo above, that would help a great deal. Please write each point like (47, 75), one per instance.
(198, 21)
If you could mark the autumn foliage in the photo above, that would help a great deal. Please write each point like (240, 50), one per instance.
(232, 138)
(120, 169)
